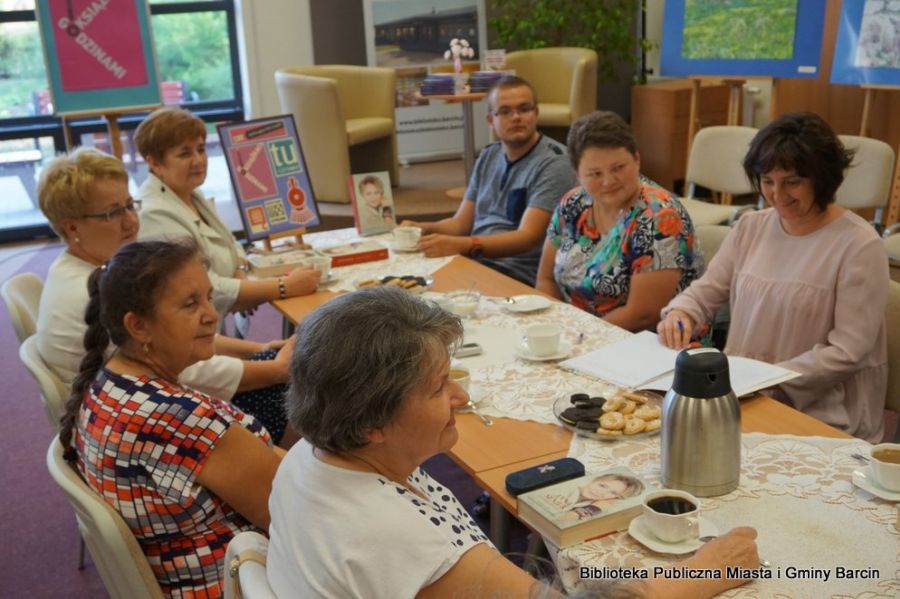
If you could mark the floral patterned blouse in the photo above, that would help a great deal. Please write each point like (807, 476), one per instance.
(594, 271)
(141, 444)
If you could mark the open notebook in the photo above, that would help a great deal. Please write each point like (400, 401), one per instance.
(642, 362)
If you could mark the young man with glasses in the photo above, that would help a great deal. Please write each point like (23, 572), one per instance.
(512, 193)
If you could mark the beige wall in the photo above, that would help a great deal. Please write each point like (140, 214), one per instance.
(271, 34)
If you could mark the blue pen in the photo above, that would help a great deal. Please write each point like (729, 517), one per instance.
(680, 327)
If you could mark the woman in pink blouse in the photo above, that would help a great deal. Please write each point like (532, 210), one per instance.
(807, 281)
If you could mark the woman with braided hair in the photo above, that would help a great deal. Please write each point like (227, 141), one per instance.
(185, 471)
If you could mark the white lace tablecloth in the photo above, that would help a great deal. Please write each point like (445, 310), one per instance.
(796, 491)
(502, 383)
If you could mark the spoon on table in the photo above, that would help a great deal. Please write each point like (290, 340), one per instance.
(471, 406)
(762, 562)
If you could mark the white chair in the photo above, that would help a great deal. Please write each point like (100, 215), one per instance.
(245, 567)
(715, 162)
(867, 183)
(892, 244)
(22, 294)
(53, 391)
(710, 238)
(892, 324)
(116, 553)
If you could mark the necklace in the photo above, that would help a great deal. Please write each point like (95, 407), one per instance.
(404, 483)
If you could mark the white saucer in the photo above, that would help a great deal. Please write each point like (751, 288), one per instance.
(864, 481)
(562, 351)
(638, 530)
(527, 303)
(403, 250)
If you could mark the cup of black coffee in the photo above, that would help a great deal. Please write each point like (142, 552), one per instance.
(672, 515)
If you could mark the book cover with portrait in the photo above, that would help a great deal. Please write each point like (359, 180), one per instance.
(373, 203)
(595, 504)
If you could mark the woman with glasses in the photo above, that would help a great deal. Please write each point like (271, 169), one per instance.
(618, 245)
(85, 198)
(173, 142)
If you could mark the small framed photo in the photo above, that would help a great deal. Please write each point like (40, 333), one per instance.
(373, 203)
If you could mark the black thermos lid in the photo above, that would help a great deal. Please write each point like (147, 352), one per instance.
(701, 372)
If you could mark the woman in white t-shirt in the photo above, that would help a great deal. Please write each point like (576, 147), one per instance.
(352, 512)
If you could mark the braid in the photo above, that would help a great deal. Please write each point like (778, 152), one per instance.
(96, 340)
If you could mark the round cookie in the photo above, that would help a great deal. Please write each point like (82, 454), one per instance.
(608, 432)
(634, 425)
(653, 425)
(647, 412)
(629, 407)
(613, 405)
(612, 421)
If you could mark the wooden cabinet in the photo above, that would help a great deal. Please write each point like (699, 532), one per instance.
(659, 119)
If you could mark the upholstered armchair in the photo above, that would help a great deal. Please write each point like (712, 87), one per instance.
(345, 120)
(565, 80)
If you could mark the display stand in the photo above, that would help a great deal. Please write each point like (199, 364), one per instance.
(298, 242)
(733, 114)
(893, 210)
(112, 126)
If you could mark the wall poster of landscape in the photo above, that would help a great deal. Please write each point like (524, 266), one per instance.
(867, 50)
(768, 38)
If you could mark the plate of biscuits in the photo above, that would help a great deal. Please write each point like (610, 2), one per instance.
(412, 283)
(622, 415)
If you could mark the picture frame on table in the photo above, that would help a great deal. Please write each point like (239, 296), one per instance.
(373, 203)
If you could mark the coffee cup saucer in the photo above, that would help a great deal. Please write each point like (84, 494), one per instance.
(404, 249)
(865, 481)
(641, 533)
(562, 351)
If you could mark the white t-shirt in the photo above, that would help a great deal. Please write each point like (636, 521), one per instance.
(341, 533)
(61, 327)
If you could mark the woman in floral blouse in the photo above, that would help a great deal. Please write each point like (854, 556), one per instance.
(618, 246)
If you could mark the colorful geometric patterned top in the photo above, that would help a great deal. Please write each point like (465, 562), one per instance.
(594, 271)
(141, 444)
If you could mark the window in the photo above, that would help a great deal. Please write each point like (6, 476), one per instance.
(196, 50)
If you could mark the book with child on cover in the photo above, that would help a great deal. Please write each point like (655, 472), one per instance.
(590, 506)
(372, 202)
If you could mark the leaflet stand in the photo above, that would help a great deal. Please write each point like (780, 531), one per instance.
(733, 113)
(298, 242)
(893, 211)
(112, 126)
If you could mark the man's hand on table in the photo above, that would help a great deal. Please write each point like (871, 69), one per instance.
(436, 245)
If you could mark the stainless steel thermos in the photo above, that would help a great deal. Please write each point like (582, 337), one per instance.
(701, 426)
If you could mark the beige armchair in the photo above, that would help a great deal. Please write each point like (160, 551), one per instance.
(345, 120)
(565, 80)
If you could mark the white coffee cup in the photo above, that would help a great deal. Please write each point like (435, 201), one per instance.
(407, 237)
(672, 515)
(884, 467)
(543, 339)
(460, 374)
(322, 264)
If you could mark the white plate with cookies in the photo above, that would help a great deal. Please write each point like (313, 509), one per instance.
(623, 415)
(412, 283)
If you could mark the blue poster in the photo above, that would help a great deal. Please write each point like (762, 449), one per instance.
(867, 50)
(269, 176)
(762, 38)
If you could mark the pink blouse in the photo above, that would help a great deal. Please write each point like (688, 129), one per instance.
(812, 303)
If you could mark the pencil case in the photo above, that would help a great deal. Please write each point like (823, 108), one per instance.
(543, 475)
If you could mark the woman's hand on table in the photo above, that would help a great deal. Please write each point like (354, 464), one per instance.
(676, 329)
(301, 281)
(436, 245)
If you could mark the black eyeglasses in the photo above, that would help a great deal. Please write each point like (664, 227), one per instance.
(117, 212)
(507, 111)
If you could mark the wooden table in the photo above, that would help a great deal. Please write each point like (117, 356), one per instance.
(489, 454)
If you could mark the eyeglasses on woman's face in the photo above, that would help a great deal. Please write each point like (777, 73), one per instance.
(116, 213)
(505, 112)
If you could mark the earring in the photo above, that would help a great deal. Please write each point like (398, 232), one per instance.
(147, 348)
(77, 240)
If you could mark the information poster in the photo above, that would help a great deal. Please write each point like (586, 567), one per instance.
(269, 176)
(867, 51)
(99, 54)
(411, 37)
(763, 38)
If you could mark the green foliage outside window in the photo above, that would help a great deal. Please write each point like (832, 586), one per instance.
(606, 26)
(194, 48)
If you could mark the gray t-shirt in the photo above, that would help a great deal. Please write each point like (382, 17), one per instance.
(502, 190)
